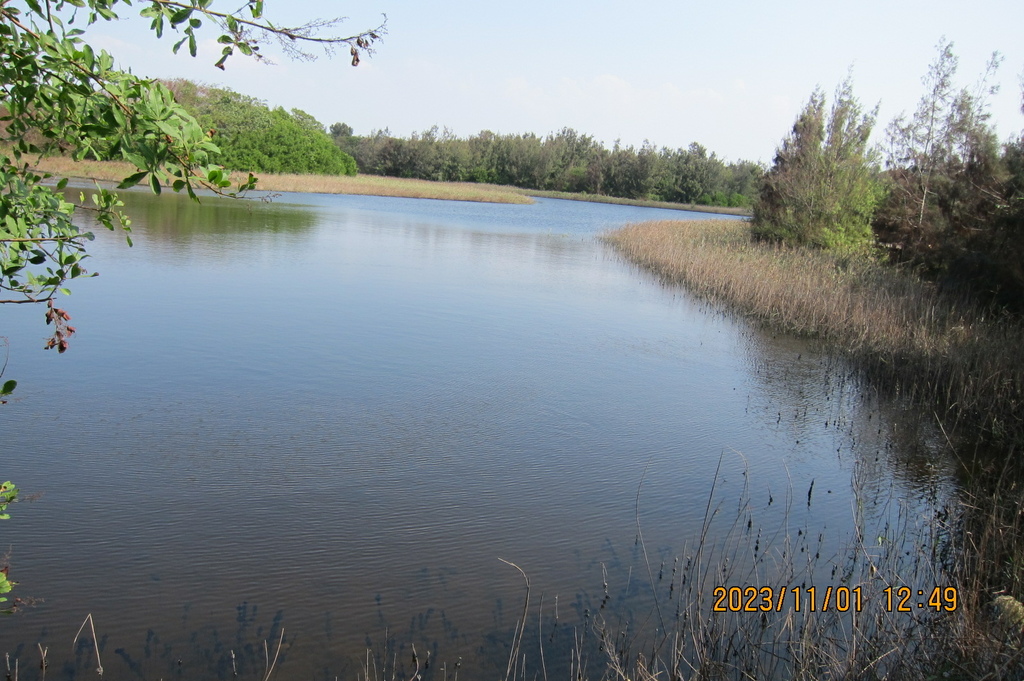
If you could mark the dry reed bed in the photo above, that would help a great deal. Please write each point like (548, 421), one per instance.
(375, 185)
(932, 344)
(372, 185)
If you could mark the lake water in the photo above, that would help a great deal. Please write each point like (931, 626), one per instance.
(335, 414)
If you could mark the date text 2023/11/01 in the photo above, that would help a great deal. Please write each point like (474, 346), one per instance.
(839, 598)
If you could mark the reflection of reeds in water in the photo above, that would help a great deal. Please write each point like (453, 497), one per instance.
(675, 632)
(932, 343)
(661, 624)
(202, 655)
(965, 632)
(747, 638)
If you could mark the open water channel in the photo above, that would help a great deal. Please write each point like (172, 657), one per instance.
(335, 414)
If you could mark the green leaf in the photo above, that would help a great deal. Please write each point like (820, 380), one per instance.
(88, 58)
(132, 180)
(180, 16)
(154, 183)
(224, 57)
(8, 387)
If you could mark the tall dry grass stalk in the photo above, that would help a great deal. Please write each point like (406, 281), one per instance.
(936, 345)
(114, 171)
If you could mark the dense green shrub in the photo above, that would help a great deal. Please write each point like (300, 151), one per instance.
(253, 137)
(823, 187)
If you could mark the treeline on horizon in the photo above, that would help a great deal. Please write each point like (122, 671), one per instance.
(566, 161)
(255, 138)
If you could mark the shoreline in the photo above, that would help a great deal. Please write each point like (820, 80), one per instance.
(643, 203)
(938, 346)
(377, 185)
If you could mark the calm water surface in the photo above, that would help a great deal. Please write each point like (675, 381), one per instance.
(335, 414)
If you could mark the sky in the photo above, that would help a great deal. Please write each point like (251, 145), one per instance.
(730, 75)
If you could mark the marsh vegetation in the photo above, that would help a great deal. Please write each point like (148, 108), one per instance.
(907, 336)
(913, 336)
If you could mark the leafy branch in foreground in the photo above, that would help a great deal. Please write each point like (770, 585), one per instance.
(7, 387)
(60, 96)
(8, 492)
(244, 34)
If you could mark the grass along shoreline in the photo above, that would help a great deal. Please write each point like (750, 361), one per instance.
(936, 345)
(370, 185)
(374, 185)
(643, 203)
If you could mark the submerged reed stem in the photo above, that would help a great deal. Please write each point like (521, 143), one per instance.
(95, 642)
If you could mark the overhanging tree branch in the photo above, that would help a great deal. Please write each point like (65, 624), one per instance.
(59, 95)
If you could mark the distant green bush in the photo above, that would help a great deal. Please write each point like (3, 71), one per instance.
(255, 138)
